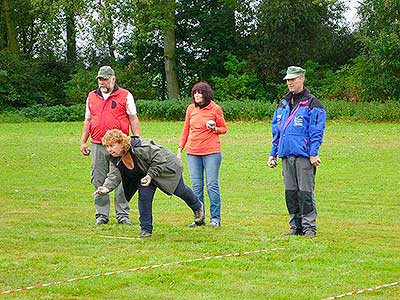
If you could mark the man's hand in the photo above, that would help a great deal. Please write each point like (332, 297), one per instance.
(272, 162)
(101, 190)
(85, 149)
(315, 160)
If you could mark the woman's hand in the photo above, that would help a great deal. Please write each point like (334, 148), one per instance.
(211, 125)
(179, 154)
(145, 181)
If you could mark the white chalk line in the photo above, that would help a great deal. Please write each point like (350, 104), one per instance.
(119, 237)
(40, 285)
(363, 291)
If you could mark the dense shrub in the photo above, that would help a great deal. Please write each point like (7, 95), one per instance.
(247, 110)
(363, 111)
(377, 111)
(58, 113)
(174, 110)
(339, 109)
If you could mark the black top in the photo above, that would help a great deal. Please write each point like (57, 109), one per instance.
(131, 174)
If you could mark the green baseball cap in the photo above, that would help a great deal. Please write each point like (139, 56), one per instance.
(294, 72)
(105, 72)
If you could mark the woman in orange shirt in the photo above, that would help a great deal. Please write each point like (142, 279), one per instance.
(204, 122)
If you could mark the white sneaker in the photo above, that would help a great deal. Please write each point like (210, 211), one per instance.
(215, 224)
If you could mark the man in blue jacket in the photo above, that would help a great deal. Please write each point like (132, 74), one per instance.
(298, 126)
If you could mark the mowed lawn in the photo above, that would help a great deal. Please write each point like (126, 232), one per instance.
(48, 232)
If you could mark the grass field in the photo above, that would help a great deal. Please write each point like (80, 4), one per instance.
(47, 230)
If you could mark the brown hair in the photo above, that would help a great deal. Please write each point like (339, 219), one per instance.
(116, 136)
(205, 90)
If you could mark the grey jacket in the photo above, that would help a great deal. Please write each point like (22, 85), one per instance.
(156, 161)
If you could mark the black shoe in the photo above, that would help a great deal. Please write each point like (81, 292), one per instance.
(101, 221)
(310, 234)
(292, 232)
(144, 234)
(125, 221)
(199, 214)
(197, 224)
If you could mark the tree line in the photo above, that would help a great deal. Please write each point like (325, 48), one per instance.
(50, 50)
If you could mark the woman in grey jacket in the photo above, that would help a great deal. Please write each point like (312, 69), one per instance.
(144, 166)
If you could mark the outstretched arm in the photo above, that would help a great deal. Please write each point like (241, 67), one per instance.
(112, 181)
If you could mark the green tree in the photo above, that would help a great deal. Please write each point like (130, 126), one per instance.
(207, 32)
(157, 21)
(240, 84)
(380, 37)
(290, 32)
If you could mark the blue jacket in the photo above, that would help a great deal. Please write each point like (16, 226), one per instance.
(297, 129)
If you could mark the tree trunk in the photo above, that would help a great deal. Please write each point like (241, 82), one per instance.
(10, 24)
(170, 55)
(71, 35)
(170, 64)
(110, 35)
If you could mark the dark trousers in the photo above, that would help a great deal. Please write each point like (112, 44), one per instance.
(299, 179)
(145, 202)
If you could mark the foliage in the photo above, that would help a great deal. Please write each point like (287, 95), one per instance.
(246, 110)
(206, 34)
(48, 233)
(108, 28)
(26, 82)
(172, 110)
(340, 84)
(240, 83)
(59, 113)
(241, 47)
(379, 67)
(363, 111)
(78, 87)
(136, 78)
(84, 80)
(293, 32)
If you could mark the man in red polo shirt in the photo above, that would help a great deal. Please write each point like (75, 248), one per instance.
(108, 107)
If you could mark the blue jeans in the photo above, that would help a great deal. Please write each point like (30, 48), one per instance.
(145, 202)
(208, 165)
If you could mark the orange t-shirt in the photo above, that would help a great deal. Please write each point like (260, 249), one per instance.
(197, 139)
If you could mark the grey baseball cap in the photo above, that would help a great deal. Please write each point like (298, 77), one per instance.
(105, 72)
(294, 72)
